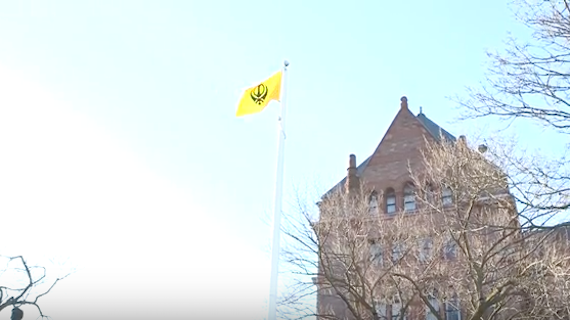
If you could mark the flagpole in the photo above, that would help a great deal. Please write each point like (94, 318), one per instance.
(275, 248)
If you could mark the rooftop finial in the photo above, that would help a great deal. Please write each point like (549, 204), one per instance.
(421, 111)
(404, 102)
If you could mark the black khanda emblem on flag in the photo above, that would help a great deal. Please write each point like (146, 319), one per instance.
(259, 93)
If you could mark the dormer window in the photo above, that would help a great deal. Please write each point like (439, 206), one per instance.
(390, 201)
(373, 203)
(409, 198)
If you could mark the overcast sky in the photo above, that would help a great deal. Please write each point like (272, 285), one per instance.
(121, 157)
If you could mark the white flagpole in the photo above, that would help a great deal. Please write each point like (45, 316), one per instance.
(275, 248)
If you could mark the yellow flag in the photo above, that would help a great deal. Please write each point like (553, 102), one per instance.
(256, 98)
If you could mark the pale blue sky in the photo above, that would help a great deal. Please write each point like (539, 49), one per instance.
(118, 129)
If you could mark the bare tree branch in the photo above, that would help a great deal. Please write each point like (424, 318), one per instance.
(31, 282)
(463, 247)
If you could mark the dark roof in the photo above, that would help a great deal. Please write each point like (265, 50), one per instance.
(436, 131)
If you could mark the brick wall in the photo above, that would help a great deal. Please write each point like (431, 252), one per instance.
(388, 167)
(400, 148)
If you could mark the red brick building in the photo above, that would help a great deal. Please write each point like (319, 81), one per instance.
(387, 168)
(387, 171)
(386, 174)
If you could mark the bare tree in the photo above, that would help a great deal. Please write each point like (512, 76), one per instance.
(332, 253)
(462, 251)
(22, 283)
(530, 82)
(492, 268)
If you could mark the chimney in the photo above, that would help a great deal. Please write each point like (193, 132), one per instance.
(352, 180)
(404, 102)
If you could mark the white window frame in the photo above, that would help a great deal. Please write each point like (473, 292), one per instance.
(453, 307)
(381, 310)
(435, 304)
(391, 203)
(397, 306)
(409, 198)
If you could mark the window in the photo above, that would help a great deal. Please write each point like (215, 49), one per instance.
(381, 310)
(446, 196)
(376, 256)
(425, 252)
(409, 198)
(373, 203)
(390, 201)
(396, 311)
(450, 250)
(397, 252)
(452, 311)
(435, 304)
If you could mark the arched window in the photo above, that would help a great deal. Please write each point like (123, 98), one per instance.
(390, 201)
(409, 198)
(373, 203)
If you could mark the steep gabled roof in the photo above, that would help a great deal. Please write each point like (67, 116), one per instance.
(435, 130)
